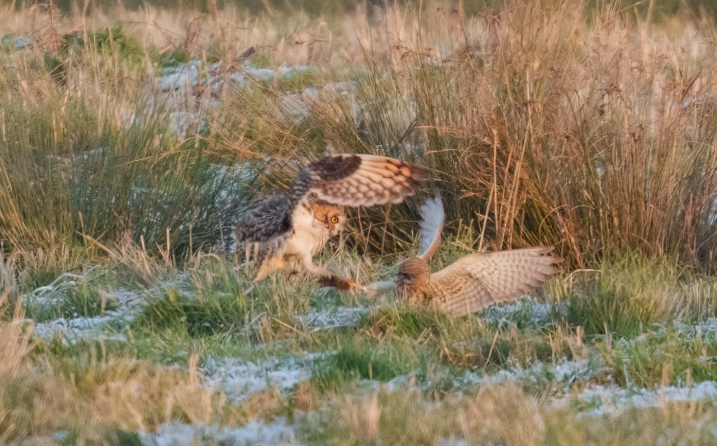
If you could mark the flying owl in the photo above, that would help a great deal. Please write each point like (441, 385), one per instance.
(297, 225)
(473, 282)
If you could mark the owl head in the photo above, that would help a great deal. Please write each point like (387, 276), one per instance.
(329, 215)
(413, 276)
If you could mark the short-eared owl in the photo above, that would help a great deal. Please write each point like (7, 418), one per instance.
(473, 282)
(298, 224)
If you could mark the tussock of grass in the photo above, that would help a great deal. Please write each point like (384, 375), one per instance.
(468, 343)
(363, 360)
(534, 140)
(501, 414)
(209, 302)
(662, 359)
(173, 312)
(92, 394)
(404, 320)
(627, 296)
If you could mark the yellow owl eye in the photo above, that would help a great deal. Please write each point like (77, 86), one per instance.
(334, 219)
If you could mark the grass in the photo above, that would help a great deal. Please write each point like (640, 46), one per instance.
(585, 126)
(630, 295)
(424, 355)
(500, 414)
(65, 297)
(487, 113)
(357, 361)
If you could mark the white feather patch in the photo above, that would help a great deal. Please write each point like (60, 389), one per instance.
(432, 218)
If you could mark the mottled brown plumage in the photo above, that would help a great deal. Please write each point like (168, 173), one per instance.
(476, 281)
(473, 282)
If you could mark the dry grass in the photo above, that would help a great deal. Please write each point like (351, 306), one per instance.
(42, 393)
(599, 142)
(504, 414)
(495, 414)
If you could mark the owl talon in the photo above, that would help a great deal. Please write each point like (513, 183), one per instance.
(339, 283)
(293, 276)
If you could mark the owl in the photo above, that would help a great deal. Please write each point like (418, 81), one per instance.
(297, 225)
(473, 282)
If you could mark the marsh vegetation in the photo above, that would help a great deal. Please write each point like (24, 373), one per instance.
(130, 138)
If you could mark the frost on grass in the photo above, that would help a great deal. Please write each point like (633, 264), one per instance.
(564, 373)
(278, 432)
(526, 310)
(185, 79)
(16, 43)
(55, 291)
(336, 317)
(601, 400)
(107, 326)
(451, 442)
(706, 329)
(239, 378)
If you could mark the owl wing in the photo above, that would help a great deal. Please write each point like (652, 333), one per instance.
(432, 218)
(358, 180)
(477, 281)
(264, 227)
(265, 219)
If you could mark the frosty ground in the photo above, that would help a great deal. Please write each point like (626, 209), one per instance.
(297, 367)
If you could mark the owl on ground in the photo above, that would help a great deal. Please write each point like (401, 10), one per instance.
(295, 226)
(473, 282)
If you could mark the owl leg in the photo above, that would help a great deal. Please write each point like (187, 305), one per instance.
(266, 267)
(306, 259)
(326, 279)
(291, 272)
(263, 272)
(290, 268)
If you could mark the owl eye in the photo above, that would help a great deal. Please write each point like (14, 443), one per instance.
(334, 219)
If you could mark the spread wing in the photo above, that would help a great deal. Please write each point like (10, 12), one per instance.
(477, 281)
(432, 218)
(358, 180)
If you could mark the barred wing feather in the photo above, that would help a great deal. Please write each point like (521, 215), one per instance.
(477, 281)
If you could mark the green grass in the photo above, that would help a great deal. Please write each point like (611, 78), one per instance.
(667, 358)
(86, 294)
(404, 321)
(361, 360)
(627, 296)
(223, 313)
(204, 314)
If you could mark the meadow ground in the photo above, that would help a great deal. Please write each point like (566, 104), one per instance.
(130, 140)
